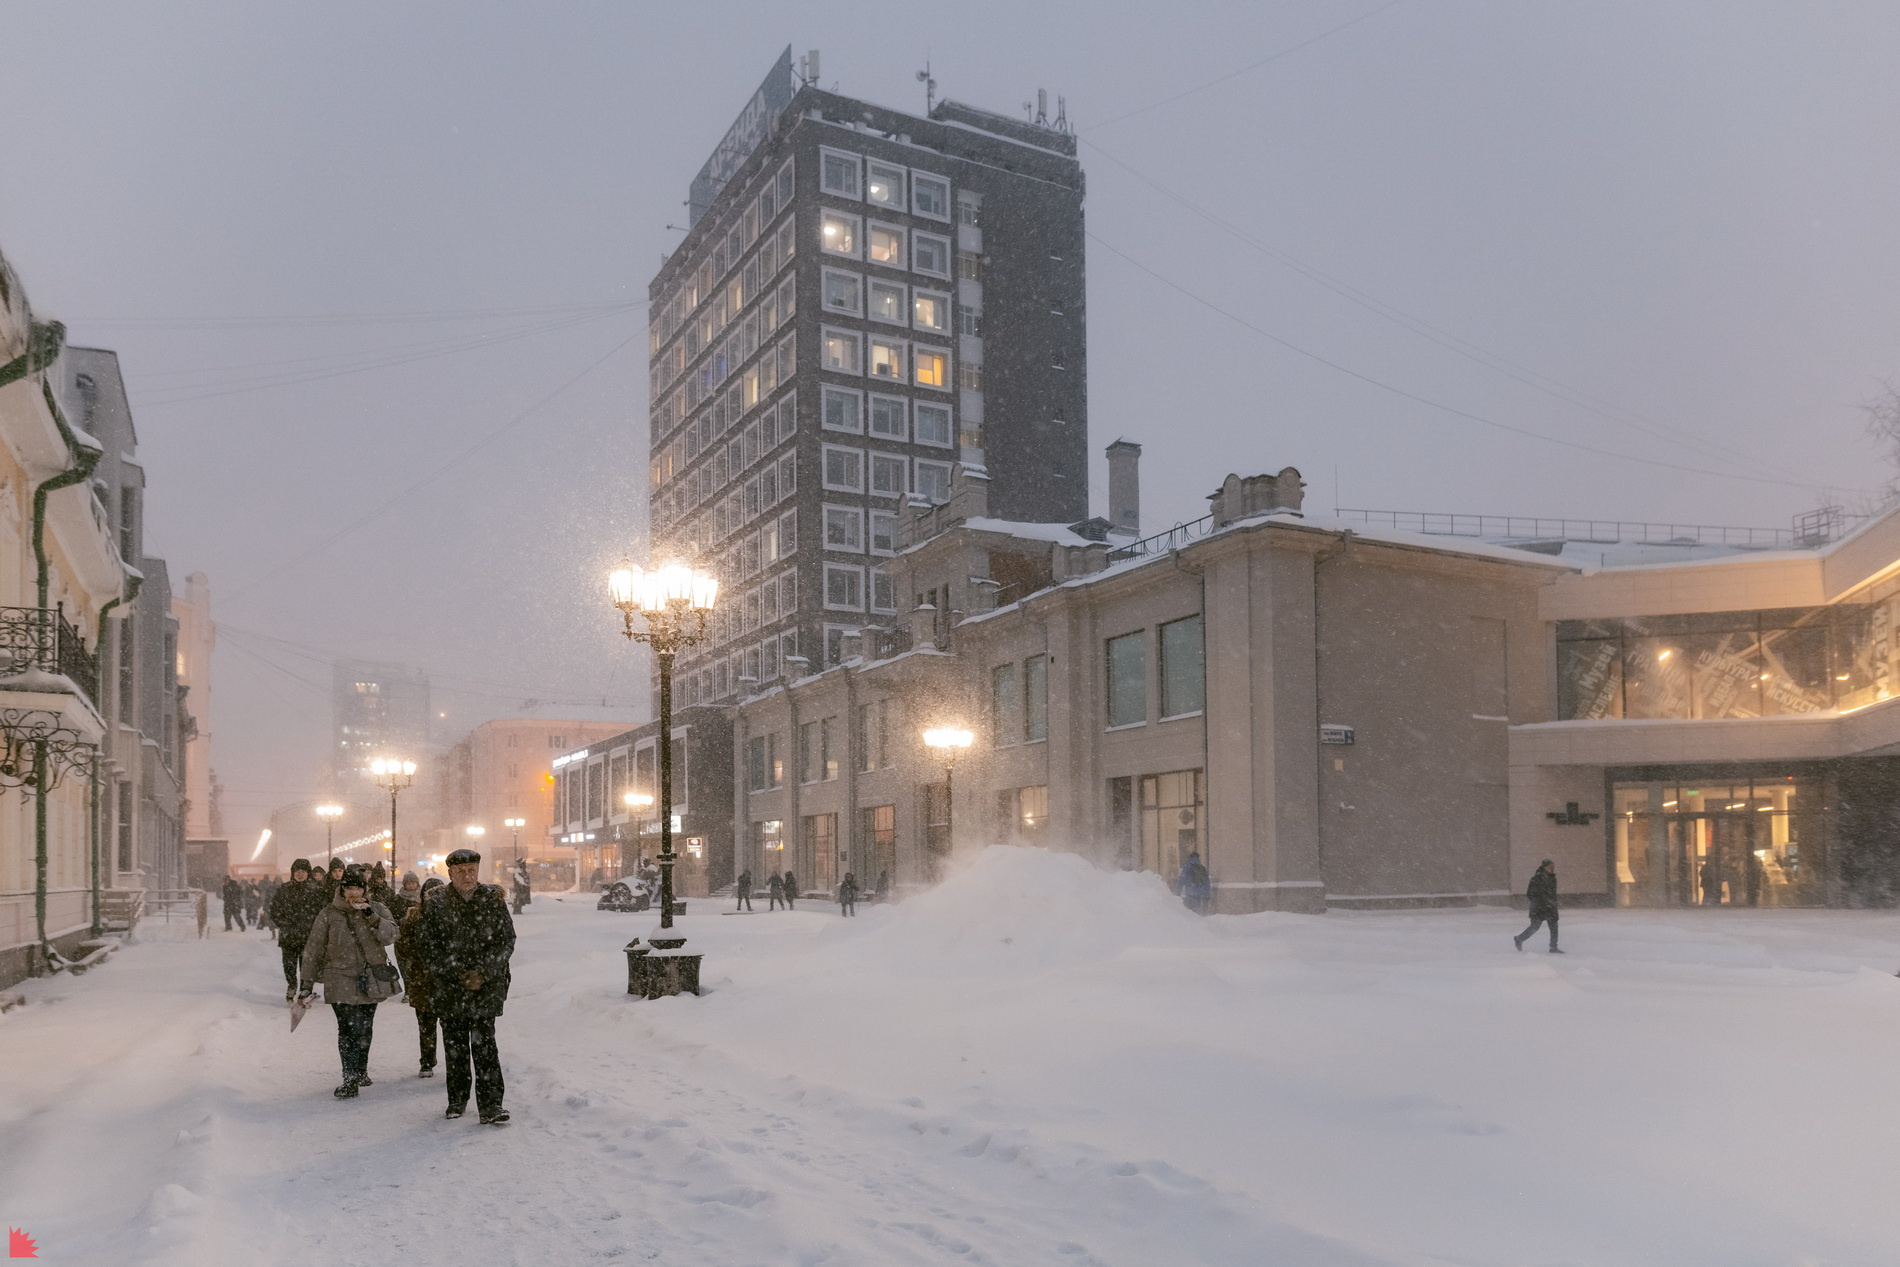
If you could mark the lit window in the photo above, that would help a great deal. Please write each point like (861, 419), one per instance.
(887, 245)
(887, 359)
(838, 173)
(844, 528)
(888, 475)
(843, 292)
(885, 186)
(844, 587)
(933, 368)
(843, 410)
(887, 418)
(927, 254)
(933, 425)
(930, 196)
(933, 481)
(887, 302)
(930, 311)
(842, 352)
(841, 234)
(844, 469)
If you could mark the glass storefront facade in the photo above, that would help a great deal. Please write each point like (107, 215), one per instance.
(1753, 840)
(1732, 664)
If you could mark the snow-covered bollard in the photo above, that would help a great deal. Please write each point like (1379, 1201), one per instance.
(662, 966)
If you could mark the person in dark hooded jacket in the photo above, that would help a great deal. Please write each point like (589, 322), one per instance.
(232, 895)
(417, 982)
(466, 937)
(293, 909)
(1542, 892)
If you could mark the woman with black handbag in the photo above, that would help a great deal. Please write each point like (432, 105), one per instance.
(345, 952)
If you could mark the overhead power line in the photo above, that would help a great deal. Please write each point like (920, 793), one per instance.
(352, 318)
(1427, 401)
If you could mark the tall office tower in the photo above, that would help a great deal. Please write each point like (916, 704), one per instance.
(375, 710)
(864, 300)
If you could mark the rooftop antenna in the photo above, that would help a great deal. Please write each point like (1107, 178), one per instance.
(930, 88)
(808, 67)
(1042, 107)
(1062, 114)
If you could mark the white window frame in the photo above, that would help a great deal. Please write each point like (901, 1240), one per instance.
(888, 460)
(855, 572)
(856, 339)
(917, 432)
(853, 515)
(854, 161)
(870, 532)
(920, 466)
(824, 468)
(896, 231)
(857, 234)
(920, 293)
(901, 347)
(949, 368)
(827, 393)
(902, 434)
(876, 575)
(824, 292)
(903, 301)
(919, 177)
(949, 254)
(903, 185)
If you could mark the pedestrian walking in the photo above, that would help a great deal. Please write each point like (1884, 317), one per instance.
(253, 901)
(1196, 888)
(407, 894)
(774, 891)
(883, 893)
(466, 938)
(345, 953)
(1542, 892)
(379, 890)
(848, 895)
(266, 890)
(744, 889)
(791, 889)
(293, 909)
(233, 896)
(417, 982)
(523, 896)
(332, 878)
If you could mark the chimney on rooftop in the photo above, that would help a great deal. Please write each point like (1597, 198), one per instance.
(1124, 488)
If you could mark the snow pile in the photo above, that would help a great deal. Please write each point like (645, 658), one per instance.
(1021, 909)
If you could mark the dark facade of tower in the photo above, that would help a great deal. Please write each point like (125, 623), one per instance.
(865, 300)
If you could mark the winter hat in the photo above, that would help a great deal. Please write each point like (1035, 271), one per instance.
(461, 856)
(301, 864)
(433, 882)
(355, 877)
(335, 863)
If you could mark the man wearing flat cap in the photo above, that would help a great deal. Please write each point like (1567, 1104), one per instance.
(466, 936)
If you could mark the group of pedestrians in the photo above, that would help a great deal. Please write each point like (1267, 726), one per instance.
(246, 902)
(782, 890)
(453, 943)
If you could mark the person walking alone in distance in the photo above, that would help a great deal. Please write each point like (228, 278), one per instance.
(743, 887)
(1542, 892)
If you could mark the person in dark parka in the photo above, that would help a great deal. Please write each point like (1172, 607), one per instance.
(233, 896)
(848, 894)
(405, 896)
(417, 981)
(744, 889)
(774, 891)
(466, 937)
(332, 878)
(293, 909)
(1542, 892)
(522, 885)
(791, 890)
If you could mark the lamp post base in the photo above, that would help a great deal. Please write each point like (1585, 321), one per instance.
(656, 971)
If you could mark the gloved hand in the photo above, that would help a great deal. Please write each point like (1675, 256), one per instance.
(472, 980)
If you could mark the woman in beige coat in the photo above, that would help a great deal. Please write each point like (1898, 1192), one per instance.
(345, 952)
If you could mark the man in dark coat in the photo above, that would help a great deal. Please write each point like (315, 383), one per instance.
(333, 878)
(523, 890)
(774, 891)
(791, 889)
(233, 895)
(744, 890)
(1542, 892)
(848, 894)
(293, 909)
(465, 938)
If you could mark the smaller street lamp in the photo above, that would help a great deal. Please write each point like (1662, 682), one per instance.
(329, 814)
(948, 741)
(474, 834)
(393, 775)
(515, 825)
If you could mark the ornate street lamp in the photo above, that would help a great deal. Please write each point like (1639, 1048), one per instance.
(475, 834)
(393, 775)
(329, 814)
(674, 601)
(948, 742)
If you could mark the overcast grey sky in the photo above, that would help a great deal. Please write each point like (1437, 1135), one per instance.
(340, 246)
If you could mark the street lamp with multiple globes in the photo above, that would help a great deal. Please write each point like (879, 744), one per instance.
(393, 775)
(474, 834)
(329, 814)
(948, 741)
(674, 600)
(515, 825)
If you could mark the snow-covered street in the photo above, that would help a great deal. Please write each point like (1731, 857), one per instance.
(1035, 1063)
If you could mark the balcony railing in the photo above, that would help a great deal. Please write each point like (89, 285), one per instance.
(42, 638)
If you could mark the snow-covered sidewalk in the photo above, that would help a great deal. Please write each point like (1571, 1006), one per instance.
(1036, 1063)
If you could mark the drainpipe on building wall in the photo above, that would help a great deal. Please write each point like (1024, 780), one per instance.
(1319, 712)
(84, 459)
(133, 582)
(1206, 824)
